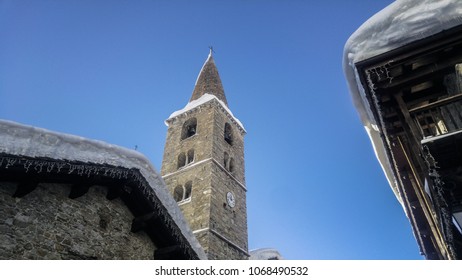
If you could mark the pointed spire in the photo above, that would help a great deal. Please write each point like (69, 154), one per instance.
(209, 81)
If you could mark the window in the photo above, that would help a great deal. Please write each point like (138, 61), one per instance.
(181, 160)
(188, 190)
(228, 162)
(225, 160)
(231, 165)
(178, 193)
(228, 134)
(189, 128)
(190, 156)
(182, 193)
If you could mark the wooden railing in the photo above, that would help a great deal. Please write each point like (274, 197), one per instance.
(440, 117)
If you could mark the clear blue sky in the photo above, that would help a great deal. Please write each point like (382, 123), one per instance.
(115, 70)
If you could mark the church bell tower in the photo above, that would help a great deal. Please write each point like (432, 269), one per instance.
(203, 167)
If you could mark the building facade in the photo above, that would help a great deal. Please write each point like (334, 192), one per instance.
(203, 166)
(67, 197)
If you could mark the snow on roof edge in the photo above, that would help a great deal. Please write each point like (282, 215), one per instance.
(265, 254)
(202, 100)
(22, 140)
(400, 23)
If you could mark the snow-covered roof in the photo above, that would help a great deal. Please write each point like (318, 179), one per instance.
(265, 254)
(202, 100)
(399, 24)
(21, 140)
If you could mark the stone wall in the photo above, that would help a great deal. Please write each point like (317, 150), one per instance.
(222, 250)
(220, 228)
(229, 222)
(46, 224)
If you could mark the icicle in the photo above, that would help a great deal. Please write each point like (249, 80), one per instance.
(60, 166)
(10, 162)
(50, 166)
(39, 166)
(27, 165)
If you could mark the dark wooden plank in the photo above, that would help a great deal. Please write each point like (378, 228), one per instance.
(438, 103)
(408, 119)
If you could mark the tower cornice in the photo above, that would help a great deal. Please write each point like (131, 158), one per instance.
(188, 167)
(203, 101)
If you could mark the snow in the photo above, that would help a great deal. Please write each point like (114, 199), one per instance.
(21, 140)
(202, 69)
(202, 100)
(434, 138)
(401, 23)
(265, 254)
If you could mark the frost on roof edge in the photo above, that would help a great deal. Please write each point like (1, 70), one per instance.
(22, 140)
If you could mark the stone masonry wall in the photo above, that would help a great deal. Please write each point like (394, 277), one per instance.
(200, 142)
(46, 224)
(220, 146)
(196, 210)
(230, 222)
(207, 212)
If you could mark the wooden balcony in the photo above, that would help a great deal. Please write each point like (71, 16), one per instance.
(439, 118)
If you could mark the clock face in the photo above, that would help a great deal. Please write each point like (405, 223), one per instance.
(231, 200)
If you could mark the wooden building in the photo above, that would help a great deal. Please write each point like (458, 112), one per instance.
(410, 99)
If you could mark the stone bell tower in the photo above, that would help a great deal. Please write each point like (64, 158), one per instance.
(203, 166)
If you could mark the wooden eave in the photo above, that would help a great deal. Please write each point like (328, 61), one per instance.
(129, 185)
(396, 83)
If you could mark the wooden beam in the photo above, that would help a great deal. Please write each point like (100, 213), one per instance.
(24, 188)
(408, 119)
(413, 137)
(438, 103)
(418, 76)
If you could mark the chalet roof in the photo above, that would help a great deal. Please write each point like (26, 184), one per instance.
(209, 81)
(47, 155)
(401, 23)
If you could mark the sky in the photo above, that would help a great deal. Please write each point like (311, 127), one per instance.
(115, 70)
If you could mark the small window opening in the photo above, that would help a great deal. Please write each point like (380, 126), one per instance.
(181, 193)
(231, 165)
(190, 156)
(228, 162)
(188, 190)
(228, 134)
(189, 128)
(225, 160)
(181, 160)
(178, 193)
